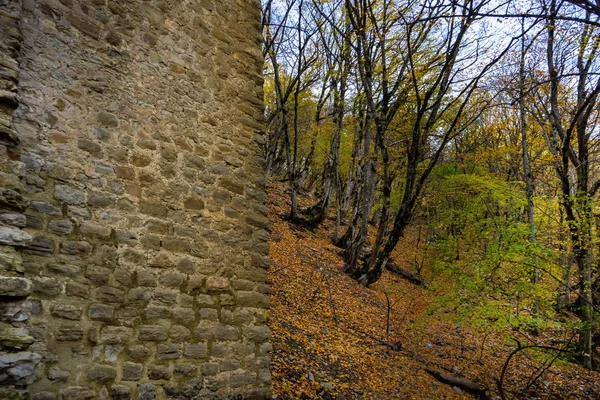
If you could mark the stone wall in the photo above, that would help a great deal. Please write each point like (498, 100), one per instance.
(133, 229)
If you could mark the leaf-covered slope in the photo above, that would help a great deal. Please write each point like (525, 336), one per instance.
(331, 340)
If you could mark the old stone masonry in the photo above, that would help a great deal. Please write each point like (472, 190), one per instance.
(133, 230)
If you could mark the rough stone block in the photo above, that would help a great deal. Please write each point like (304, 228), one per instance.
(238, 380)
(64, 269)
(132, 371)
(77, 289)
(153, 333)
(69, 333)
(97, 274)
(226, 332)
(40, 246)
(205, 330)
(101, 312)
(15, 338)
(100, 199)
(209, 314)
(184, 370)
(146, 278)
(14, 237)
(217, 283)
(46, 286)
(115, 334)
(229, 365)
(18, 368)
(107, 119)
(15, 287)
(159, 372)
(76, 248)
(69, 195)
(109, 294)
(120, 392)
(14, 219)
(252, 299)
(94, 231)
(258, 333)
(12, 199)
(66, 311)
(179, 334)
(138, 352)
(209, 369)
(146, 391)
(82, 23)
(168, 351)
(184, 316)
(57, 374)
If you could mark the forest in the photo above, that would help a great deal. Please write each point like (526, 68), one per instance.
(449, 147)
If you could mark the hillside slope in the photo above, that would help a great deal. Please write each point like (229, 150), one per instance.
(331, 337)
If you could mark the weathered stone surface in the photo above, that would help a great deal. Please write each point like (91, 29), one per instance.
(69, 195)
(137, 177)
(10, 259)
(168, 351)
(226, 332)
(14, 287)
(179, 334)
(60, 227)
(159, 372)
(14, 237)
(146, 391)
(253, 299)
(101, 373)
(46, 286)
(90, 146)
(16, 311)
(238, 380)
(115, 334)
(197, 350)
(120, 392)
(46, 208)
(78, 290)
(107, 119)
(66, 311)
(64, 269)
(205, 330)
(40, 246)
(217, 283)
(18, 368)
(109, 294)
(57, 374)
(14, 219)
(33, 221)
(92, 230)
(132, 371)
(101, 312)
(70, 333)
(12, 199)
(153, 333)
(257, 333)
(100, 199)
(76, 248)
(15, 338)
(83, 24)
(139, 352)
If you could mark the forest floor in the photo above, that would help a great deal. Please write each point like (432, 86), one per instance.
(331, 338)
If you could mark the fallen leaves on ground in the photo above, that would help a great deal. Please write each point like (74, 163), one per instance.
(331, 337)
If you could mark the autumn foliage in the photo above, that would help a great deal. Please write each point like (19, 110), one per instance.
(331, 336)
